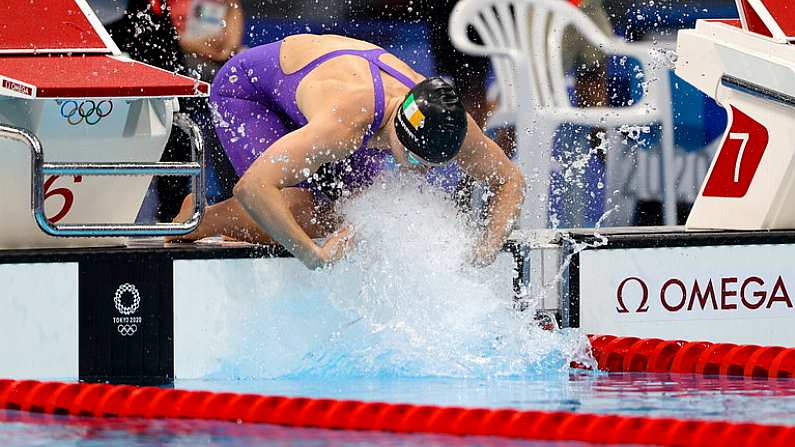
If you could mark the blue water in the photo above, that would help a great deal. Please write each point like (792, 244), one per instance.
(635, 394)
(21, 429)
(655, 395)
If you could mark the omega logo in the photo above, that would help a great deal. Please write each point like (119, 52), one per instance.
(728, 293)
(643, 305)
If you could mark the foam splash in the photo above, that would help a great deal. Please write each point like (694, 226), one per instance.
(406, 303)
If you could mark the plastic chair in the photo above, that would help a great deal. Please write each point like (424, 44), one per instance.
(523, 39)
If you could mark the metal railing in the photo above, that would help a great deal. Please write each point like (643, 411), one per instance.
(39, 169)
(757, 90)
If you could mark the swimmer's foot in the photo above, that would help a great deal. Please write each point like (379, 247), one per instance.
(205, 230)
(181, 239)
(185, 212)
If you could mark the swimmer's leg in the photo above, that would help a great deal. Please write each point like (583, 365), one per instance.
(228, 218)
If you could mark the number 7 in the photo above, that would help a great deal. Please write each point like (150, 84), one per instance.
(743, 137)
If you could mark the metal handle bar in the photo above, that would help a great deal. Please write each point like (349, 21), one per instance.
(757, 90)
(159, 169)
(194, 169)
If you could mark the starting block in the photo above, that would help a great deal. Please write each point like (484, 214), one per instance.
(771, 18)
(748, 66)
(103, 121)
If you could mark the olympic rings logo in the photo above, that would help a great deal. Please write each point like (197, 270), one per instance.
(127, 330)
(132, 308)
(89, 111)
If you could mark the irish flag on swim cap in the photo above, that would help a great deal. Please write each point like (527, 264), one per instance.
(412, 112)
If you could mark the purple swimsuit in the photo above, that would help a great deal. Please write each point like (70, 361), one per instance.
(256, 106)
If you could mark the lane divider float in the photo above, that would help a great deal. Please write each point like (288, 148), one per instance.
(632, 354)
(102, 400)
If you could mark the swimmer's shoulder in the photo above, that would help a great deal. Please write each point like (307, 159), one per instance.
(324, 42)
(314, 45)
(299, 49)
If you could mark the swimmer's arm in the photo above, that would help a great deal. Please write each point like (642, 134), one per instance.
(286, 164)
(482, 159)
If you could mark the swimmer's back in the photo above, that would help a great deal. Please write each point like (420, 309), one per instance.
(339, 77)
(300, 49)
(264, 93)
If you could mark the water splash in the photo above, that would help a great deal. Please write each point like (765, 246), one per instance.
(635, 133)
(405, 304)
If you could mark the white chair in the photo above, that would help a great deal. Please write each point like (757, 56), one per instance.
(523, 39)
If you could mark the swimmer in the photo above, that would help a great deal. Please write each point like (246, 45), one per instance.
(311, 118)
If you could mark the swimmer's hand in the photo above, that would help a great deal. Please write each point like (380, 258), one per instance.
(484, 254)
(335, 248)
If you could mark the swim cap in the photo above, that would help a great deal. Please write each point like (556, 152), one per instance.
(432, 123)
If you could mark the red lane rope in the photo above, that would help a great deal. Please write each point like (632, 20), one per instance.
(632, 354)
(150, 402)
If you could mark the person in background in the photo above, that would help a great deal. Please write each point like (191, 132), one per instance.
(581, 206)
(143, 29)
(210, 32)
(587, 65)
(587, 61)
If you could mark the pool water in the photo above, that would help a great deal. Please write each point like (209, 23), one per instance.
(635, 394)
(631, 394)
(21, 429)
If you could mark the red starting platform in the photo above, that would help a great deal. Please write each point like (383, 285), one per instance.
(102, 120)
(66, 53)
(50, 27)
(747, 66)
(90, 76)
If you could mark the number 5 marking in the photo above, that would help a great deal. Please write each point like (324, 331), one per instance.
(743, 137)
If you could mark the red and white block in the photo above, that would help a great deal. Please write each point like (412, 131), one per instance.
(748, 67)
